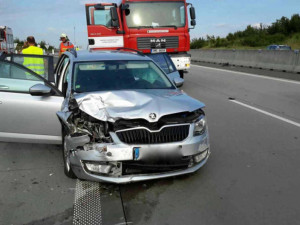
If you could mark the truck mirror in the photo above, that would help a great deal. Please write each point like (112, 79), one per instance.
(125, 6)
(127, 12)
(192, 13)
(193, 22)
(126, 9)
(99, 7)
(114, 17)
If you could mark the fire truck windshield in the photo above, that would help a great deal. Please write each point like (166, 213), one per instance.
(155, 14)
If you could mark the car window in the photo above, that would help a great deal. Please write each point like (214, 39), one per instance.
(62, 71)
(40, 64)
(285, 47)
(164, 61)
(100, 17)
(66, 77)
(16, 79)
(62, 65)
(171, 65)
(118, 75)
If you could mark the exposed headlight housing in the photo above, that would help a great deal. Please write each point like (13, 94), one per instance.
(98, 168)
(200, 126)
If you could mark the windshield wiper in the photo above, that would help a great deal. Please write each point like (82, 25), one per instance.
(169, 26)
(139, 27)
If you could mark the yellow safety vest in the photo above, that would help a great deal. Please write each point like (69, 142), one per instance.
(34, 64)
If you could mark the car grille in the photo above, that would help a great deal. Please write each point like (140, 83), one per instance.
(165, 135)
(139, 167)
(145, 42)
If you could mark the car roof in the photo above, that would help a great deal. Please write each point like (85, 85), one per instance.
(100, 55)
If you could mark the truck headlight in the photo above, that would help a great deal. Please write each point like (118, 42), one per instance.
(200, 126)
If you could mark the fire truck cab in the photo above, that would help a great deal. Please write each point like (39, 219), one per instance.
(154, 26)
(6, 39)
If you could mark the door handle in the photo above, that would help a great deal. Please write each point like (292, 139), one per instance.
(3, 87)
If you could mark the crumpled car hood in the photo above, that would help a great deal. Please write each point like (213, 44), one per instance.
(112, 105)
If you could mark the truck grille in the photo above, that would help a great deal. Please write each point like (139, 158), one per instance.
(144, 136)
(165, 42)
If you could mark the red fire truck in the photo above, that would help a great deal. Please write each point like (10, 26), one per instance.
(6, 39)
(149, 26)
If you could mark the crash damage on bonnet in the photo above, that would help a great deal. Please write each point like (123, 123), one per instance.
(127, 136)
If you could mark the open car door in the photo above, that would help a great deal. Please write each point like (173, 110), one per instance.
(28, 101)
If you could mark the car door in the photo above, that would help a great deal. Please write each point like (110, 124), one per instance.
(24, 117)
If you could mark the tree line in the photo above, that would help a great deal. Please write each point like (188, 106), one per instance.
(42, 44)
(276, 33)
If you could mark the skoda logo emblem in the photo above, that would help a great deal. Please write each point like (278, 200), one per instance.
(152, 116)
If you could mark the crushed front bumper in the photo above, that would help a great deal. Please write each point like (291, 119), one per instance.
(119, 153)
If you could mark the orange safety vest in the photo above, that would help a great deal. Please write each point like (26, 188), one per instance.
(64, 48)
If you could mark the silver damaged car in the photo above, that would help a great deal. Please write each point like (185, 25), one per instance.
(121, 118)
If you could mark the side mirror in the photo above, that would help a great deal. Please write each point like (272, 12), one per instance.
(40, 90)
(193, 23)
(192, 13)
(178, 81)
(114, 17)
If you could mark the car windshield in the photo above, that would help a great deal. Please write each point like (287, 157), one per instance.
(118, 75)
(159, 14)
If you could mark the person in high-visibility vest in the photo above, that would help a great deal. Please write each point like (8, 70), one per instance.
(34, 64)
(65, 44)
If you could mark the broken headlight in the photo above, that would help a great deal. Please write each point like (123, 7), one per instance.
(82, 123)
(200, 126)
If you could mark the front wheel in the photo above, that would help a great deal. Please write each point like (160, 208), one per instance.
(66, 157)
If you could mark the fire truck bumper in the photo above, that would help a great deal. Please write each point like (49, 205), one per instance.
(181, 61)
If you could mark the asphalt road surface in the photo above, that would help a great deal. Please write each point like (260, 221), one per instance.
(252, 176)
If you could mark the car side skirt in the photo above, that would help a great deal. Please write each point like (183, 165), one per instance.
(30, 138)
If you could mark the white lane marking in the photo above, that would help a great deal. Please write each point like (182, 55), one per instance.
(267, 113)
(250, 75)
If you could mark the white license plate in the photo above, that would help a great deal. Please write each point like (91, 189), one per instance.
(159, 50)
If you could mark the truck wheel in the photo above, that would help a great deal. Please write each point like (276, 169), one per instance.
(181, 73)
(66, 157)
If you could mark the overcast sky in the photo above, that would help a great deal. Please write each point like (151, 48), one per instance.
(47, 19)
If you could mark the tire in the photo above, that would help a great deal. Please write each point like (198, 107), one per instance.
(67, 166)
(181, 74)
